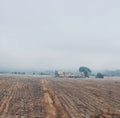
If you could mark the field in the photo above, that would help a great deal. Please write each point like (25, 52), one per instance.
(49, 97)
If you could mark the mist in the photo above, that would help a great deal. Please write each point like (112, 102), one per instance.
(65, 34)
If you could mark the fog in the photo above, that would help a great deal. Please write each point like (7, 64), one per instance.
(59, 34)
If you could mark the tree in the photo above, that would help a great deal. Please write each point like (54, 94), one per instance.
(33, 73)
(99, 75)
(85, 70)
(56, 73)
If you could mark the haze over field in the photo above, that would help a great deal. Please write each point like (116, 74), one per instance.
(38, 34)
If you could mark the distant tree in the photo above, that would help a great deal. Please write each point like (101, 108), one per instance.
(42, 73)
(23, 73)
(56, 73)
(99, 75)
(85, 70)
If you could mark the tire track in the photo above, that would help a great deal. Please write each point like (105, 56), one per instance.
(52, 105)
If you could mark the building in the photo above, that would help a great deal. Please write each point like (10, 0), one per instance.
(60, 73)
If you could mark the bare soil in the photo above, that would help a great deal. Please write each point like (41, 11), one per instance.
(49, 97)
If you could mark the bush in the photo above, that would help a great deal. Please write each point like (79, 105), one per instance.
(99, 75)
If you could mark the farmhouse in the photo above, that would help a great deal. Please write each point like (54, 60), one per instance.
(60, 73)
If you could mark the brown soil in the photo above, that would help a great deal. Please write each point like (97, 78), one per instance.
(49, 97)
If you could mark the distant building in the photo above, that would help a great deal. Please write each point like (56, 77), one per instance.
(60, 73)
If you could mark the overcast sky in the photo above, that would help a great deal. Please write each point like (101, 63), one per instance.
(59, 34)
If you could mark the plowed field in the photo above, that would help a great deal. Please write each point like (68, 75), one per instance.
(49, 97)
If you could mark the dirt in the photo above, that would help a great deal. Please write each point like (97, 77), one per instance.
(49, 97)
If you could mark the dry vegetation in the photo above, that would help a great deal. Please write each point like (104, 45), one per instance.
(49, 97)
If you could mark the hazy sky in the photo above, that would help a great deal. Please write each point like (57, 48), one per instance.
(57, 34)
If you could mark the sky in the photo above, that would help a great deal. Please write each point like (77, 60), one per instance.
(59, 34)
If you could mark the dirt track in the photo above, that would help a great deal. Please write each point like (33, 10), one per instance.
(48, 97)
